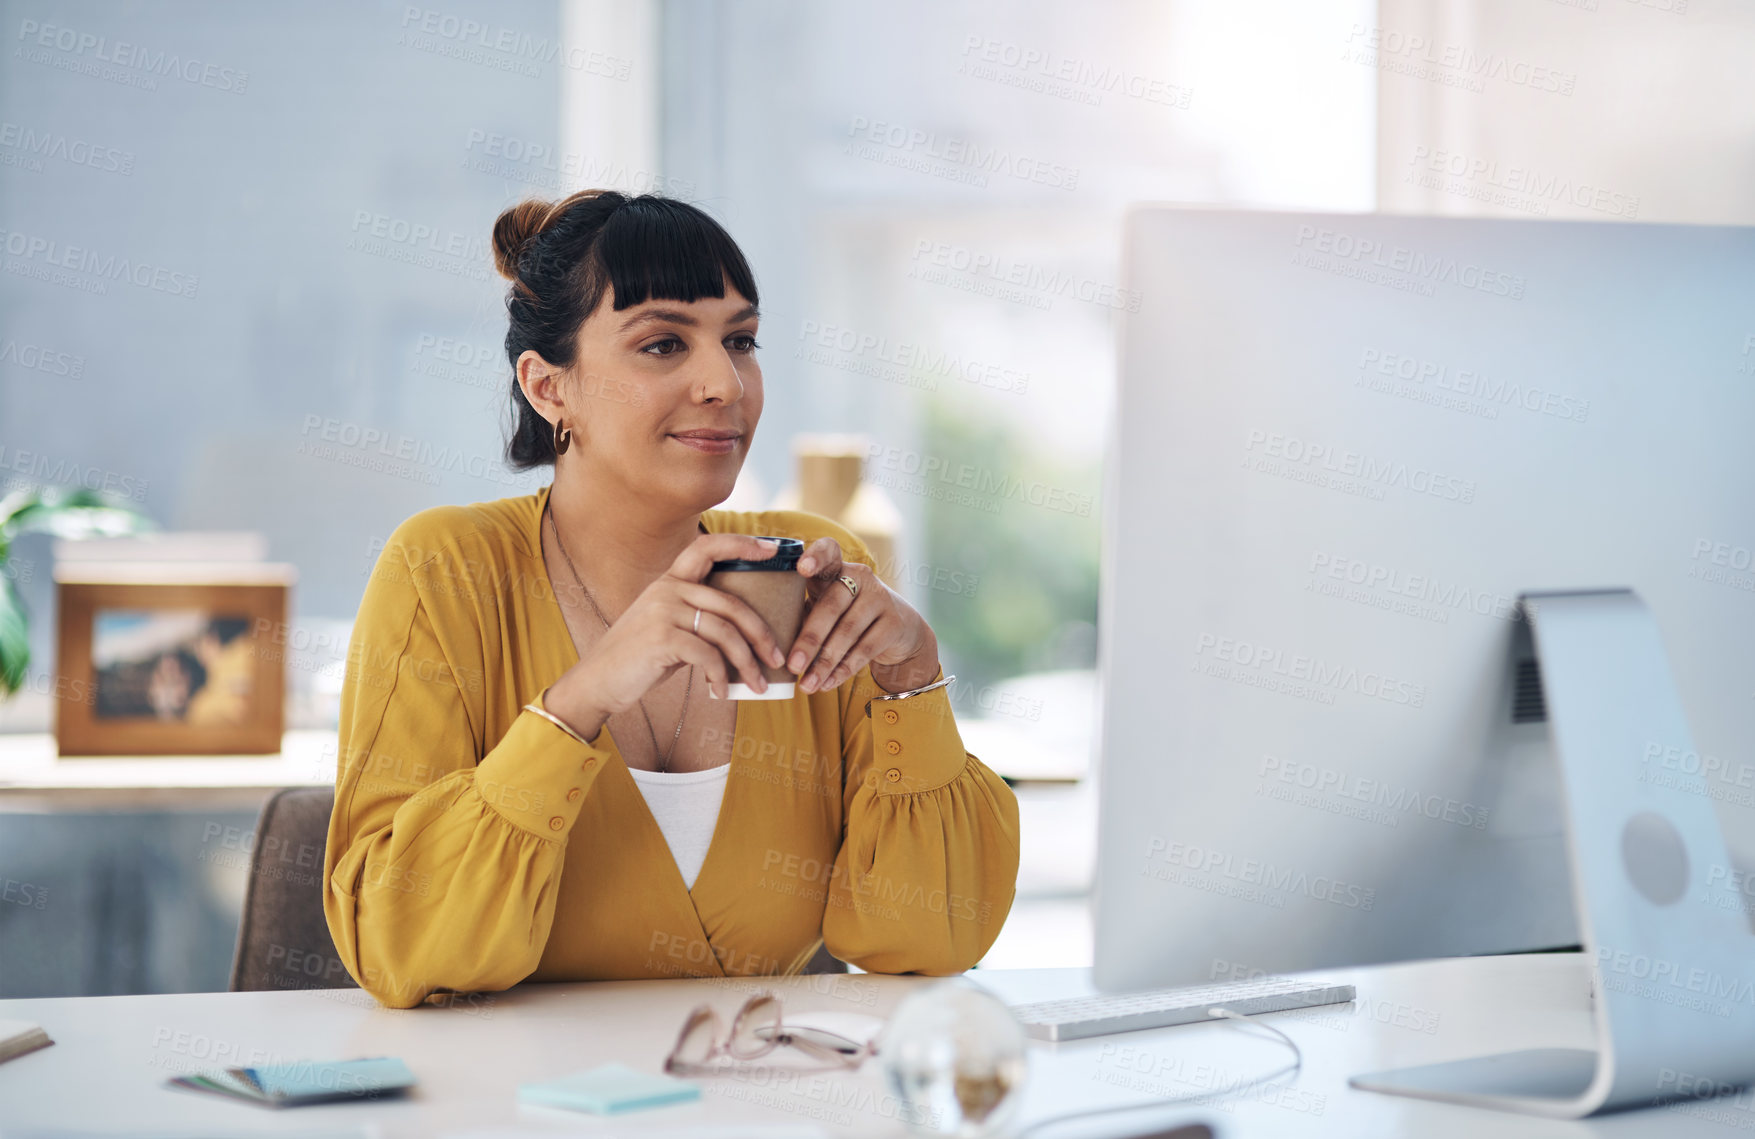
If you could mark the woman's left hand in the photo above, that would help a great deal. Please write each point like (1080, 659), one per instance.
(842, 633)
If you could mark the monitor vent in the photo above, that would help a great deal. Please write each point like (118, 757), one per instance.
(1527, 703)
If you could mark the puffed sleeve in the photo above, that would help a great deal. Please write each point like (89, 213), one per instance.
(443, 864)
(929, 861)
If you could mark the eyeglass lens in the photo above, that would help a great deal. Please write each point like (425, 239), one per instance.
(759, 1017)
(695, 1045)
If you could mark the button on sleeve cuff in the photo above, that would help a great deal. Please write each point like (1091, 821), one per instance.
(531, 776)
(915, 743)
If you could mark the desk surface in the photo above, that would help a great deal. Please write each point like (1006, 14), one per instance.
(106, 1072)
(34, 778)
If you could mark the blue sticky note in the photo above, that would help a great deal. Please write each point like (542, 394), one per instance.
(607, 1090)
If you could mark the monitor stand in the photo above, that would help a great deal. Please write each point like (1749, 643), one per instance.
(1674, 992)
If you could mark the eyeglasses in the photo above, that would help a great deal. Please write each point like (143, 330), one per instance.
(756, 1031)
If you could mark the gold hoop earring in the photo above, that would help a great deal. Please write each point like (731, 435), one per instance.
(563, 438)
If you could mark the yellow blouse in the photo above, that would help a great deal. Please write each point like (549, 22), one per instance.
(476, 844)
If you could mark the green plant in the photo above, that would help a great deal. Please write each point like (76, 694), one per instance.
(1036, 605)
(66, 513)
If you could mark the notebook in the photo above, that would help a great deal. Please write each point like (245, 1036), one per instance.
(306, 1081)
(20, 1036)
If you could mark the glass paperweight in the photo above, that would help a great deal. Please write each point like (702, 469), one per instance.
(954, 1058)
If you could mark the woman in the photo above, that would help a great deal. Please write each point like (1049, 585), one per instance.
(544, 781)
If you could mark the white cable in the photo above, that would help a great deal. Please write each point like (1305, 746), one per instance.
(1246, 1018)
(1291, 1069)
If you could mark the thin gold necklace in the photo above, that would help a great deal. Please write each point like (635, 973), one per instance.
(663, 760)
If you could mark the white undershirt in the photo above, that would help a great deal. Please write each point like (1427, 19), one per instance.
(686, 806)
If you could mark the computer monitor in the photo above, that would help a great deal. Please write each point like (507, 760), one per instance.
(1343, 446)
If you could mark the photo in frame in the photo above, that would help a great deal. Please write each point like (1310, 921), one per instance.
(170, 658)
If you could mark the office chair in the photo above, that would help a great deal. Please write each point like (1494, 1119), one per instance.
(283, 938)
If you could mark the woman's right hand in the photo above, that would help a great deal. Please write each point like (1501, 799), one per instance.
(657, 635)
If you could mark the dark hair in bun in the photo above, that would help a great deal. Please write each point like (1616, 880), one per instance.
(563, 257)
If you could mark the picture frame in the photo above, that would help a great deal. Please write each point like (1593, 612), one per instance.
(170, 658)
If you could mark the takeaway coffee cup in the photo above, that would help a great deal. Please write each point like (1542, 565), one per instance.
(774, 588)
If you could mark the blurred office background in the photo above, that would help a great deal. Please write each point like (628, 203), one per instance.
(247, 284)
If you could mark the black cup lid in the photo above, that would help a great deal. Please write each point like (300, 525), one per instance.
(785, 558)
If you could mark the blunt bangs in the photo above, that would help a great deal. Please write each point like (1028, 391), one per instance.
(657, 249)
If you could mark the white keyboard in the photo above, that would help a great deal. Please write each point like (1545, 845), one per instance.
(1128, 1012)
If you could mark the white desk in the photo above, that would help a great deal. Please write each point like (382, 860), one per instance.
(34, 779)
(106, 1071)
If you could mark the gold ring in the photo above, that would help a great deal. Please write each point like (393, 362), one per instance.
(852, 586)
